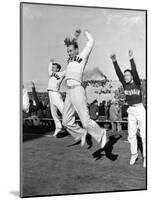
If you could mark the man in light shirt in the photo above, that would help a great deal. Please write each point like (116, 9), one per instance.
(25, 100)
(56, 102)
(75, 95)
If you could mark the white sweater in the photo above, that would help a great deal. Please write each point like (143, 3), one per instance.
(55, 79)
(75, 68)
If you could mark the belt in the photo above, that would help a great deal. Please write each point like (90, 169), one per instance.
(52, 90)
(72, 87)
(135, 105)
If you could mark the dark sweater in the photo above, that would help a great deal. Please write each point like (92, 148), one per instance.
(132, 90)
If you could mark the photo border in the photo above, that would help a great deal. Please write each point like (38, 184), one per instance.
(21, 82)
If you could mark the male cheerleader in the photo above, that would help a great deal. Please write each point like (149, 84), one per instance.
(75, 95)
(136, 111)
(56, 102)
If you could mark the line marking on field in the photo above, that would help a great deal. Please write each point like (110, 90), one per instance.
(48, 135)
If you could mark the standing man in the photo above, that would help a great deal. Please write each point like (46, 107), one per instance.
(102, 109)
(75, 97)
(136, 111)
(56, 102)
(25, 100)
(114, 114)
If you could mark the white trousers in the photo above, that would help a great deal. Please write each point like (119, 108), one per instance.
(136, 118)
(76, 101)
(56, 103)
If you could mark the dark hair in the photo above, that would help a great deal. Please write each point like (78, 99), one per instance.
(31, 101)
(58, 66)
(128, 70)
(68, 41)
(95, 101)
(103, 102)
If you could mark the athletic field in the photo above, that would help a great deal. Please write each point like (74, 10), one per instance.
(58, 166)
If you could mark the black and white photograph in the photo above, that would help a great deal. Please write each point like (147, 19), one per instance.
(83, 94)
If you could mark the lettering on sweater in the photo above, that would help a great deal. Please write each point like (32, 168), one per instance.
(75, 59)
(132, 92)
(55, 76)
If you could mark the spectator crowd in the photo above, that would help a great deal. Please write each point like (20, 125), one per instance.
(112, 110)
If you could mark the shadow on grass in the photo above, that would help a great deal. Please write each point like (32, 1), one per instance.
(39, 131)
(74, 144)
(34, 132)
(107, 149)
(62, 134)
(139, 143)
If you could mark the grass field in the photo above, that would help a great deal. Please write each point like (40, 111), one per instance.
(55, 166)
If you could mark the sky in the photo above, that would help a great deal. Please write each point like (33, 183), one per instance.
(114, 31)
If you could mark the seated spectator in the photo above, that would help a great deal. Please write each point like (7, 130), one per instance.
(94, 110)
(33, 120)
(32, 107)
(47, 113)
(40, 114)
